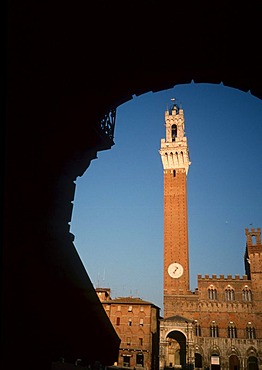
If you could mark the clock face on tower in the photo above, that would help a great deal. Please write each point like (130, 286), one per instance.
(175, 270)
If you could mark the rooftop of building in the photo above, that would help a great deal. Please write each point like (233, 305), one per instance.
(222, 277)
(130, 300)
(103, 290)
(177, 318)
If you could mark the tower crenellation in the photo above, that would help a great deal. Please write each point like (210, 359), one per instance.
(253, 236)
(221, 277)
(174, 149)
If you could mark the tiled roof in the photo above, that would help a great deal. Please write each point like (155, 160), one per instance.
(130, 300)
(177, 318)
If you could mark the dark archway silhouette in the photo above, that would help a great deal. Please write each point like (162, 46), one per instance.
(67, 66)
(252, 363)
(234, 362)
(180, 339)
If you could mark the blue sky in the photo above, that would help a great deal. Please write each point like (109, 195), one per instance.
(118, 206)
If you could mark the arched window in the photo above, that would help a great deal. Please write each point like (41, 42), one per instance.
(212, 292)
(229, 293)
(246, 294)
(174, 132)
(197, 329)
(231, 330)
(213, 330)
(250, 331)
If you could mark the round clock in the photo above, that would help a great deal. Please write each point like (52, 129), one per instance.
(175, 270)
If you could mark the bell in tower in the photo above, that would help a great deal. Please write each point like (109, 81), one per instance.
(174, 150)
(174, 132)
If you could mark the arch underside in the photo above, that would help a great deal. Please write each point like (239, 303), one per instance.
(67, 67)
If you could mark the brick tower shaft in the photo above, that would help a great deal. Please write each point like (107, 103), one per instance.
(175, 159)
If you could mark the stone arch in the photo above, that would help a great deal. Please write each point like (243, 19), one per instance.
(176, 347)
(234, 362)
(68, 100)
(233, 357)
(251, 351)
(199, 356)
(252, 363)
(233, 350)
(215, 350)
(199, 359)
(170, 331)
(199, 349)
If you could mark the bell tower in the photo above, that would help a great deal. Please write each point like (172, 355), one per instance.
(175, 159)
(253, 256)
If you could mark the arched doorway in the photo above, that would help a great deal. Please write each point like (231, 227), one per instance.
(252, 363)
(234, 363)
(215, 361)
(198, 361)
(176, 354)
